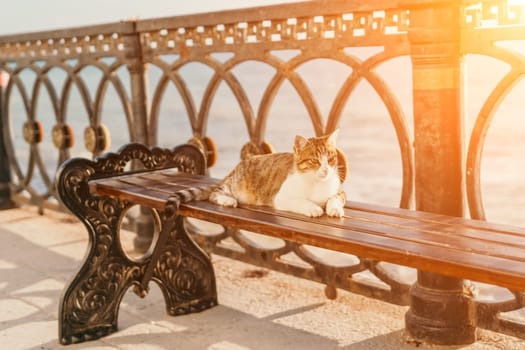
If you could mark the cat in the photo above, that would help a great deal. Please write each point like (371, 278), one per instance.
(307, 181)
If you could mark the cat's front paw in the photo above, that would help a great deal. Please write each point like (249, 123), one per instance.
(225, 201)
(335, 208)
(311, 209)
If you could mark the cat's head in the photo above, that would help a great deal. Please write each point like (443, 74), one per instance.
(317, 155)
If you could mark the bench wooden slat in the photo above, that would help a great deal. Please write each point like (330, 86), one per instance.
(358, 219)
(395, 250)
(439, 219)
(395, 215)
(373, 221)
(476, 229)
(437, 230)
(428, 234)
(487, 253)
(139, 195)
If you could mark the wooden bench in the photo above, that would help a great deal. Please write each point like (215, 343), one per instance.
(100, 191)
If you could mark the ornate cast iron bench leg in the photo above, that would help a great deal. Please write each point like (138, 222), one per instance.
(90, 303)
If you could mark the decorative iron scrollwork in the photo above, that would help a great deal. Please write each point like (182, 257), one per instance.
(63, 136)
(33, 132)
(90, 303)
(97, 138)
(208, 147)
(183, 271)
(252, 149)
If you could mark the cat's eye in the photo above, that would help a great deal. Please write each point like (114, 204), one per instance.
(314, 162)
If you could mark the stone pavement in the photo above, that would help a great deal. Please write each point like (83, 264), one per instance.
(38, 254)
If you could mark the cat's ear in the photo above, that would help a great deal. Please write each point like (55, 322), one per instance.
(332, 138)
(300, 142)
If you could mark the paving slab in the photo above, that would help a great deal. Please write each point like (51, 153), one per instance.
(38, 255)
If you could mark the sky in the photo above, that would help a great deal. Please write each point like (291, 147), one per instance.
(22, 16)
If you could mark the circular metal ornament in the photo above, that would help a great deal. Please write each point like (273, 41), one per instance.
(33, 132)
(207, 145)
(251, 149)
(62, 136)
(97, 138)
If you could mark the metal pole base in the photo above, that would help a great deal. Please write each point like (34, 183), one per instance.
(440, 313)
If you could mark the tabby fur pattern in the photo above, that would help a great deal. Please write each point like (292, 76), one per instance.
(307, 181)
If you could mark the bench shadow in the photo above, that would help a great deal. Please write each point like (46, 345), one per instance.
(33, 277)
(222, 328)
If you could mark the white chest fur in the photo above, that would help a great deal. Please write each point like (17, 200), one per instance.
(309, 186)
(321, 191)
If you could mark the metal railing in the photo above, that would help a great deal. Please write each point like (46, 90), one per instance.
(63, 85)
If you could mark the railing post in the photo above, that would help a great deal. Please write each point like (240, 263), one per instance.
(141, 222)
(138, 71)
(440, 311)
(6, 201)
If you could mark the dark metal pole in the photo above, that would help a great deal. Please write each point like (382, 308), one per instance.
(6, 201)
(142, 221)
(441, 312)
